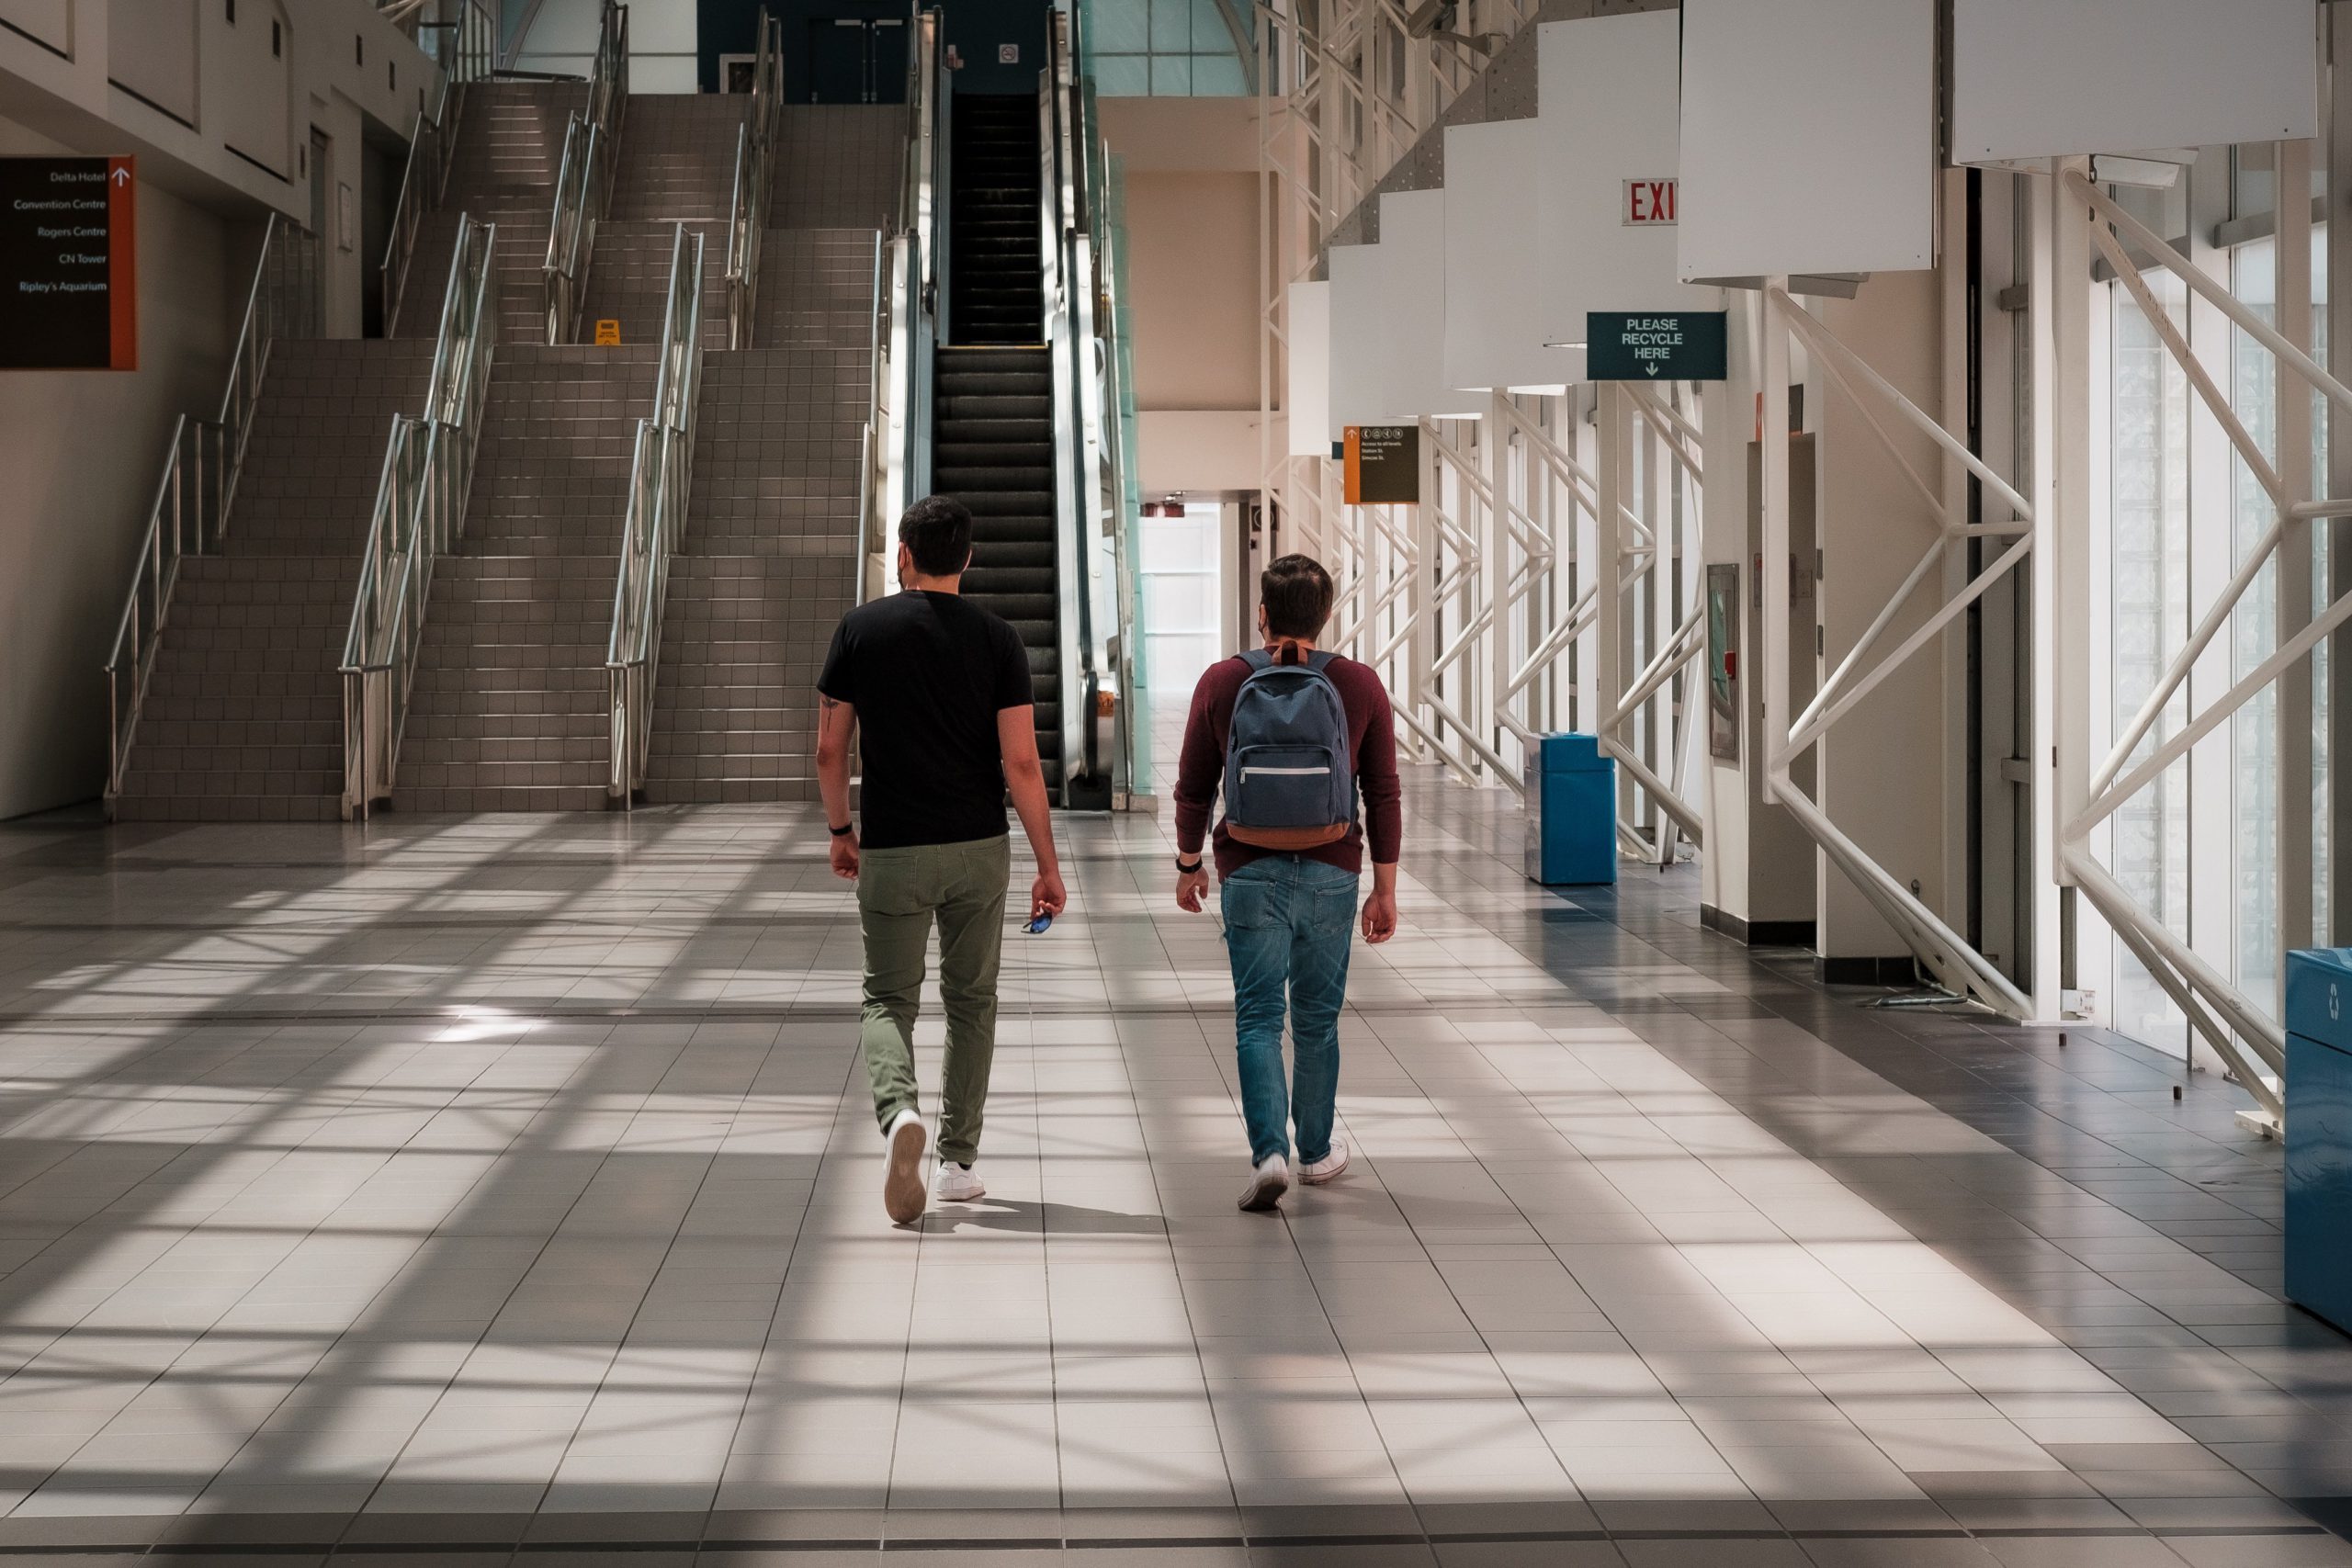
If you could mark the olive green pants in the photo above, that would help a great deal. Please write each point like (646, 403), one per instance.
(899, 893)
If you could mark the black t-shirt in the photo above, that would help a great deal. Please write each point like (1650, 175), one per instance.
(928, 674)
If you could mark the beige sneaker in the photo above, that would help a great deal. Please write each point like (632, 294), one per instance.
(1315, 1173)
(960, 1183)
(1268, 1181)
(902, 1188)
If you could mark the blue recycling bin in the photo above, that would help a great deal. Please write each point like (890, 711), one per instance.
(1572, 813)
(2319, 1132)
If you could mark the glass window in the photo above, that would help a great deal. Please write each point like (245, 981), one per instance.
(2253, 630)
(1171, 26)
(1218, 76)
(1165, 48)
(1119, 27)
(2148, 483)
(2178, 534)
(1123, 76)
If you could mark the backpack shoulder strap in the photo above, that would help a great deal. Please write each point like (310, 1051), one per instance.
(1257, 659)
(1320, 661)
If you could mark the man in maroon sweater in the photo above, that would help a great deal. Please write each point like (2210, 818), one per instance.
(1289, 914)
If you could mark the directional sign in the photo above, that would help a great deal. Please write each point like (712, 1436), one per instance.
(1384, 464)
(69, 272)
(1670, 346)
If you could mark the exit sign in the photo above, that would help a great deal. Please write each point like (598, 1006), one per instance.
(1656, 345)
(1648, 203)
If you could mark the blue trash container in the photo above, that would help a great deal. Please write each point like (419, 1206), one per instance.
(2319, 1132)
(1572, 813)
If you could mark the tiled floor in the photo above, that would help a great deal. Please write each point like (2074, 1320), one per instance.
(455, 1190)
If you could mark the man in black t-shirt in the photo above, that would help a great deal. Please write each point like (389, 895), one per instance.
(937, 690)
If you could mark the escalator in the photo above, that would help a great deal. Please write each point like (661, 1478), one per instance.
(993, 388)
(1001, 379)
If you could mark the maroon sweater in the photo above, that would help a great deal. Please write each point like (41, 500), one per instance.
(1372, 738)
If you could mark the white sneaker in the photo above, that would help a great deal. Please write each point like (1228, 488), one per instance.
(959, 1183)
(902, 1189)
(1269, 1180)
(1315, 1173)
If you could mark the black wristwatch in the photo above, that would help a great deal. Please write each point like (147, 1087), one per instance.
(1187, 870)
(840, 833)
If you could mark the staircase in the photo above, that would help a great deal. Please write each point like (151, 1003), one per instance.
(769, 559)
(510, 709)
(994, 429)
(768, 563)
(243, 715)
(838, 167)
(510, 149)
(675, 163)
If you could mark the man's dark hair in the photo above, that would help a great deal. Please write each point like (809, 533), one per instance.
(937, 530)
(1297, 594)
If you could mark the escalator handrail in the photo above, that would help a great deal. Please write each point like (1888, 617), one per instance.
(909, 291)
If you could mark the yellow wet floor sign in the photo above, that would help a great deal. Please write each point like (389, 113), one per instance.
(608, 335)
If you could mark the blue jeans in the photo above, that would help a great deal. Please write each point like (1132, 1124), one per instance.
(1289, 923)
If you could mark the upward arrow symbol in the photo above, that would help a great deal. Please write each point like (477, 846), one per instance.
(122, 176)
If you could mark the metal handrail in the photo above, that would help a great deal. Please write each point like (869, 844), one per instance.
(747, 212)
(458, 36)
(464, 49)
(909, 296)
(1059, 255)
(897, 424)
(573, 231)
(419, 514)
(583, 186)
(1107, 405)
(661, 476)
(1094, 634)
(608, 74)
(189, 514)
(924, 195)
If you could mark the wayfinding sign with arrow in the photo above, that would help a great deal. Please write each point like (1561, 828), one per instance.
(69, 270)
(1657, 346)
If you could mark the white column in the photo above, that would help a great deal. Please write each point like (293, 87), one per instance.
(2295, 465)
(1775, 618)
(2062, 578)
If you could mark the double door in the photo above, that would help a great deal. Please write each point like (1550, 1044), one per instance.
(857, 60)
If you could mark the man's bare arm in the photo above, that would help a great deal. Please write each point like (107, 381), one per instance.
(1025, 777)
(836, 729)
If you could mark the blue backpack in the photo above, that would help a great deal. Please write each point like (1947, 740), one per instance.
(1290, 777)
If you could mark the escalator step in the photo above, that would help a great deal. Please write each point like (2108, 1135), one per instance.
(997, 405)
(1008, 504)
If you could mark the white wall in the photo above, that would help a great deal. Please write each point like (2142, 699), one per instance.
(662, 44)
(240, 146)
(83, 451)
(1497, 267)
(1190, 170)
(1807, 136)
(1608, 88)
(2033, 80)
